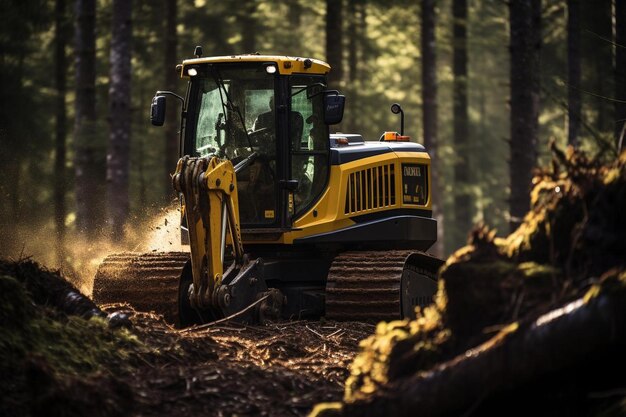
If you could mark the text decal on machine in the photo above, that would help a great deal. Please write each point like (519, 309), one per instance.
(414, 184)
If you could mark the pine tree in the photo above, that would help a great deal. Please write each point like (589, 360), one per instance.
(462, 170)
(171, 81)
(249, 26)
(620, 71)
(429, 114)
(334, 41)
(118, 155)
(60, 154)
(573, 71)
(88, 175)
(525, 43)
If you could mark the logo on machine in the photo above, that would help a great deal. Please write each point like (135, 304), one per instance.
(414, 184)
(412, 171)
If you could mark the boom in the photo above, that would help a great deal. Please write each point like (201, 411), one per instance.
(209, 190)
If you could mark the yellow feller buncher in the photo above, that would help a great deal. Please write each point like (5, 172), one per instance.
(279, 214)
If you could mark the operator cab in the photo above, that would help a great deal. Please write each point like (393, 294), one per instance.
(235, 109)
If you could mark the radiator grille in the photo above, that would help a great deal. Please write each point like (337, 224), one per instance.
(371, 188)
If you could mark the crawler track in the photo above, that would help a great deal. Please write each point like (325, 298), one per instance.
(366, 286)
(361, 286)
(147, 281)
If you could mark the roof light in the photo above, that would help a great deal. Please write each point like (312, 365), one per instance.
(270, 69)
(192, 72)
(394, 136)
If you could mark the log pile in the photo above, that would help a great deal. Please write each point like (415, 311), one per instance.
(534, 323)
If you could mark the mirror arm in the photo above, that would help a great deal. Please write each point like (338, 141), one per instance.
(169, 93)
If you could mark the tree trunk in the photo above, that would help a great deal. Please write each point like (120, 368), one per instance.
(294, 16)
(525, 43)
(172, 122)
(87, 172)
(60, 154)
(352, 113)
(573, 69)
(118, 155)
(334, 41)
(620, 70)
(362, 28)
(462, 172)
(217, 29)
(248, 22)
(596, 18)
(429, 114)
(138, 162)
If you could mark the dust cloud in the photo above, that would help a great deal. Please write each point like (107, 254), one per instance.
(78, 258)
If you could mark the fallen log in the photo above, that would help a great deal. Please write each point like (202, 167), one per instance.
(523, 353)
(50, 289)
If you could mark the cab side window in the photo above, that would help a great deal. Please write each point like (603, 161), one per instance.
(309, 142)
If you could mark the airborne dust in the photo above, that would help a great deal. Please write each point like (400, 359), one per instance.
(78, 258)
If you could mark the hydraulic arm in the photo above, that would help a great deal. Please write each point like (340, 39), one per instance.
(210, 203)
(209, 189)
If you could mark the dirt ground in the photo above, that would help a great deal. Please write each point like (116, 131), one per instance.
(280, 369)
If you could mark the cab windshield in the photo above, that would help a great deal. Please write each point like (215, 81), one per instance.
(227, 103)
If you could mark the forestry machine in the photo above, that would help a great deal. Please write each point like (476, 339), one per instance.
(282, 219)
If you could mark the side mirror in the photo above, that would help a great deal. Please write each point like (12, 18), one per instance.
(333, 107)
(157, 110)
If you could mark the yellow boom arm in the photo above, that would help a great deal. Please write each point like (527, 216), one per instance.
(209, 189)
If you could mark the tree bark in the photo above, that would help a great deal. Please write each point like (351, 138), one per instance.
(573, 69)
(118, 155)
(365, 49)
(352, 41)
(248, 22)
(87, 172)
(525, 43)
(334, 41)
(172, 120)
(352, 113)
(620, 70)
(294, 16)
(429, 114)
(596, 17)
(217, 30)
(462, 170)
(60, 153)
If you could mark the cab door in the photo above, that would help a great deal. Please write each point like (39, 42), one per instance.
(309, 143)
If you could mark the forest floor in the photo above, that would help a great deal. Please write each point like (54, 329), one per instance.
(281, 369)
(56, 364)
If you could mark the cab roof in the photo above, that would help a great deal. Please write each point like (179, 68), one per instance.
(286, 64)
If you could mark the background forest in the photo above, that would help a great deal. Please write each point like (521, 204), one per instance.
(486, 85)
